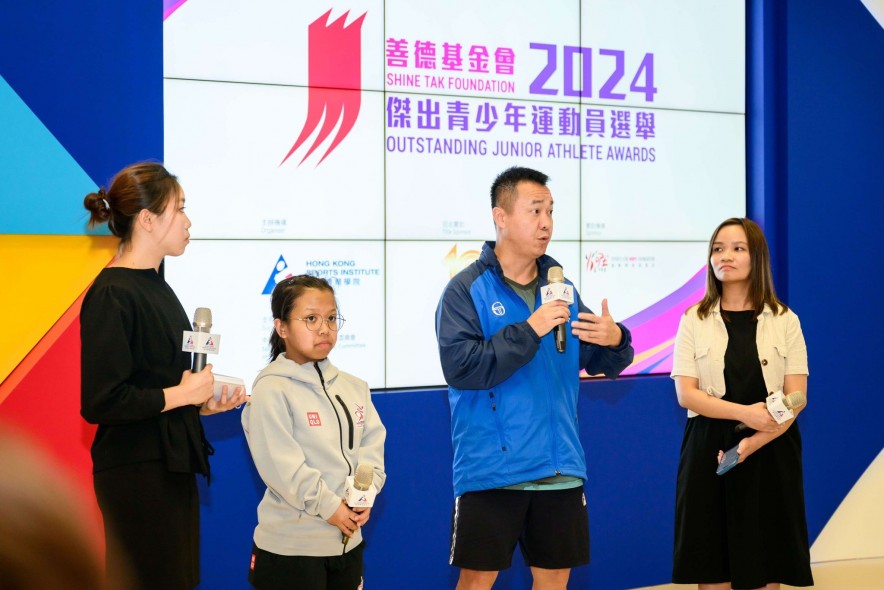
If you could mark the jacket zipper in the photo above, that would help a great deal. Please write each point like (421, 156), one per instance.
(549, 405)
(340, 426)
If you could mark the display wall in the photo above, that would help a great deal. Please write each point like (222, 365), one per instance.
(357, 141)
(81, 96)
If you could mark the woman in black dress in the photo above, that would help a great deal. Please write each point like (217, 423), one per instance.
(745, 528)
(137, 387)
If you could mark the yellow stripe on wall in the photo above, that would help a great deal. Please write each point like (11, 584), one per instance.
(42, 276)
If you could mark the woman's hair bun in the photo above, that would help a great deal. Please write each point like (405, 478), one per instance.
(99, 208)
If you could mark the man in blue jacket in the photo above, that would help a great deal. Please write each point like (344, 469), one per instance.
(519, 466)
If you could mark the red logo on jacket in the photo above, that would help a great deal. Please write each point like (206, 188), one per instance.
(313, 419)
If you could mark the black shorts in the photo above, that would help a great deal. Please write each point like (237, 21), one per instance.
(550, 526)
(269, 571)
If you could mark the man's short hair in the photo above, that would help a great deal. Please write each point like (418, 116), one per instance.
(503, 189)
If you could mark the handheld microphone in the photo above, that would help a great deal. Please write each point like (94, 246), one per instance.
(360, 494)
(202, 322)
(781, 407)
(556, 275)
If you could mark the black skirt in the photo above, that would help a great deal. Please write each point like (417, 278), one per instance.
(151, 520)
(747, 526)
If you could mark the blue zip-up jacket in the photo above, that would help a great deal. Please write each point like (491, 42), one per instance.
(513, 397)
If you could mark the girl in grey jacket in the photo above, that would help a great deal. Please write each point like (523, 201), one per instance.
(308, 426)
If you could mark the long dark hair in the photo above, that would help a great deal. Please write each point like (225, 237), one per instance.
(285, 294)
(761, 287)
(145, 185)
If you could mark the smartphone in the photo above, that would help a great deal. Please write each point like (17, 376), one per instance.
(729, 461)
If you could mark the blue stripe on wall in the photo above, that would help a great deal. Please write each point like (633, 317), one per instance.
(43, 184)
(91, 71)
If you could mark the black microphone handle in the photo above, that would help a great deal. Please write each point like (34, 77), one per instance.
(199, 361)
(741, 427)
(560, 335)
(199, 358)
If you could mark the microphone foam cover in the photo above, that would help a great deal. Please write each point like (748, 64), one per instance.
(555, 275)
(202, 318)
(363, 477)
(795, 400)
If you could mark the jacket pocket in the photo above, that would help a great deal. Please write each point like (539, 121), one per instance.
(494, 401)
(349, 419)
(773, 367)
(710, 371)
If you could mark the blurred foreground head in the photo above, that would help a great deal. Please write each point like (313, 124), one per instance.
(45, 541)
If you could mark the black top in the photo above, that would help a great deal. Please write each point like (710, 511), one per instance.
(131, 326)
(743, 379)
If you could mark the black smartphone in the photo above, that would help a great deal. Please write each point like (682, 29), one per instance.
(729, 460)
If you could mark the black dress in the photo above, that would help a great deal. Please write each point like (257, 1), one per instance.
(144, 459)
(748, 526)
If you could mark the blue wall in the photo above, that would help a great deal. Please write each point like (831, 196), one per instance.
(631, 430)
(92, 73)
(833, 204)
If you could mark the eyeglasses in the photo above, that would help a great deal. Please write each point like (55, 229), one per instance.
(314, 322)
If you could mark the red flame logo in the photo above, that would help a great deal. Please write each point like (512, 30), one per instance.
(334, 74)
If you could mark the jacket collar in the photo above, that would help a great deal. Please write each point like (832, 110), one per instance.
(305, 373)
(716, 310)
(489, 258)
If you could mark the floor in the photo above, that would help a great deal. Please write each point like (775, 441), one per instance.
(859, 574)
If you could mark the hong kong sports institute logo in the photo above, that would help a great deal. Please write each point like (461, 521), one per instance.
(334, 77)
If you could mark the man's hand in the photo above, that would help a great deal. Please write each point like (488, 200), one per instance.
(548, 316)
(598, 329)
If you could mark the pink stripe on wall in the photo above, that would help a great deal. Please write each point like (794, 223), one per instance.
(661, 362)
(653, 329)
(663, 326)
(170, 6)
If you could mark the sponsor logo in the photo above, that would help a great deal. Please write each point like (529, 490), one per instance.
(279, 273)
(313, 419)
(597, 261)
(497, 308)
(334, 77)
(457, 262)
